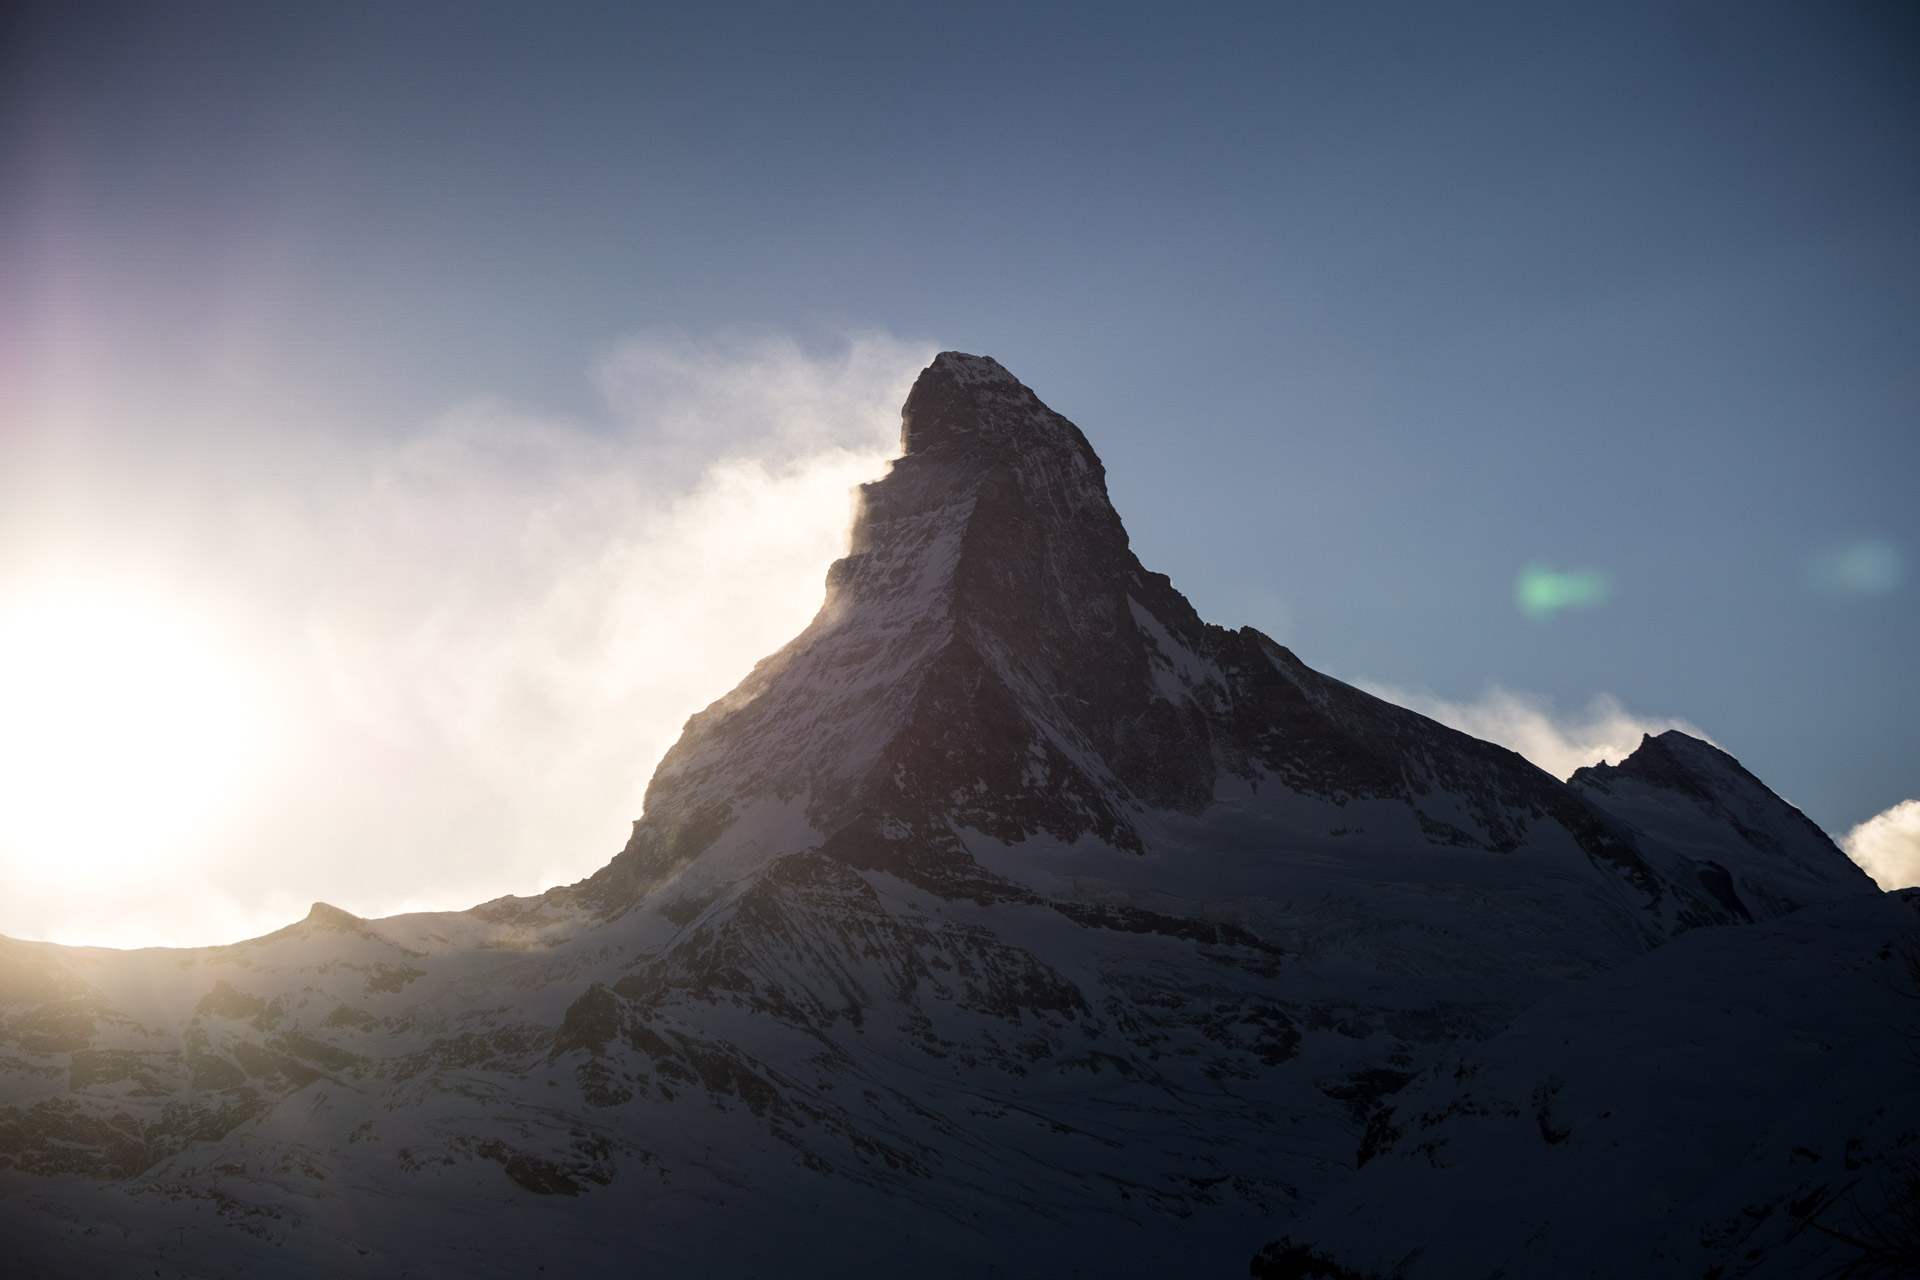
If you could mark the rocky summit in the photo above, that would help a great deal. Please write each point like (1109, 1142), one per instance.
(1012, 920)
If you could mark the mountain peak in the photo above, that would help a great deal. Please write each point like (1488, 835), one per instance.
(1677, 761)
(970, 404)
(1696, 797)
(992, 658)
(970, 369)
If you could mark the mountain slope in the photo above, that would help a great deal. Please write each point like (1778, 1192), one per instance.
(1704, 1110)
(1009, 902)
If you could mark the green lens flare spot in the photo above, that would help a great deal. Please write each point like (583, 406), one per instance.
(1870, 568)
(1541, 592)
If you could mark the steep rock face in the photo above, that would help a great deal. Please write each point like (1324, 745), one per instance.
(975, 642)
(1009, 901)
(992, 657)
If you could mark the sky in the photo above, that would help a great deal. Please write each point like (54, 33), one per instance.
(409, 414)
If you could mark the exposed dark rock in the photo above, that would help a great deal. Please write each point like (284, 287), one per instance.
(591, 1021)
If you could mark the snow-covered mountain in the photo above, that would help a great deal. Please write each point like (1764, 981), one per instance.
(1010, 920)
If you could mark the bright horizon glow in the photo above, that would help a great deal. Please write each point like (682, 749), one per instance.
(124, 731)
(415, 673)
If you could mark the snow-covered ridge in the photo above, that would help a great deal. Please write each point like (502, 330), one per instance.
(1749, 848)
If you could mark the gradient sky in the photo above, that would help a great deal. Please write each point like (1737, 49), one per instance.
(1371, 309)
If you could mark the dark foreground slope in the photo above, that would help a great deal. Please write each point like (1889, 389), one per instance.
(1009, 920)
(1732, 1104)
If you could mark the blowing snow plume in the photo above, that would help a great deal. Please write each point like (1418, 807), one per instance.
(474, 642)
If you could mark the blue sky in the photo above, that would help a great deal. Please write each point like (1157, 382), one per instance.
(1367, 308)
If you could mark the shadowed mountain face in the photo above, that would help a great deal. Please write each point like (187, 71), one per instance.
(992, 658)
(1011, 916)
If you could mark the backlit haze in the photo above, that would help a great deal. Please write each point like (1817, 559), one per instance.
(410, 414)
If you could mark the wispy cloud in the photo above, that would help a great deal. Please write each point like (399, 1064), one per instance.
(480, 638)
(1887, 846)
(1557, 741)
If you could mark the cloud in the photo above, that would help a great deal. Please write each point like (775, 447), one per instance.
(1887, 846)
(478, 639)
(1529, 724)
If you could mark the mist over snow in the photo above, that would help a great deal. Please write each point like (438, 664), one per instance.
(473, 643)
(1887, 846)
(1557, 741)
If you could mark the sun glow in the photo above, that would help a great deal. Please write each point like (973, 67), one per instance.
(123, 728)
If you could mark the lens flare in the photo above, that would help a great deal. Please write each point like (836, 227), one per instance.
(122, 729)
(1868, 568)
(1541, 592)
